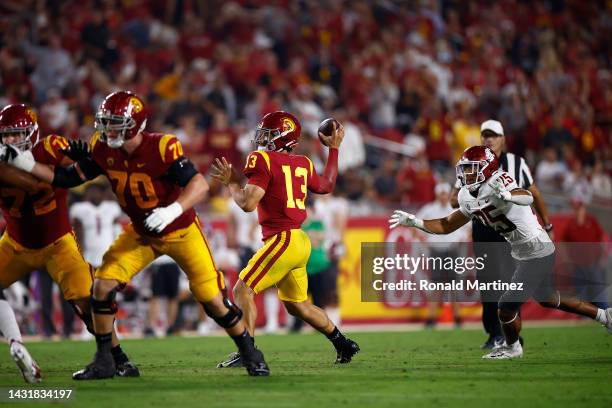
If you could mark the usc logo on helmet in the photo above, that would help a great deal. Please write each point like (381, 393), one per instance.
(288, 125)
(135, 105)
(31, 114)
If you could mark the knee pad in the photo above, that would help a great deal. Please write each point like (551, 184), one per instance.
(85, 317)
(107, 306)
(231, 318)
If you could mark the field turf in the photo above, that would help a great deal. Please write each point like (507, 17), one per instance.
(562, 367)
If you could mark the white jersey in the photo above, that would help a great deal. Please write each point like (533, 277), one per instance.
(517, 223)
(248, 230)
(99, 230)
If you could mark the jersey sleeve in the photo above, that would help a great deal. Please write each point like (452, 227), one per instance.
(507, 181)
(462, 206)
(257, 169)
(170, 150)
(52, 147)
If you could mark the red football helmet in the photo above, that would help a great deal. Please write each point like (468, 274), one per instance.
(122, 115)
(18, 121)
(476, 165)
(278, 131)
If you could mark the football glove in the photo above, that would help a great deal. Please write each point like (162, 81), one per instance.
(161, 217)
(405, 219)
(500, 192)
(77, 150)
(22, 160)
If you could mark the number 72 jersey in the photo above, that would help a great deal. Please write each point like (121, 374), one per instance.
(286, 179)
(516, 223)
(37, 220)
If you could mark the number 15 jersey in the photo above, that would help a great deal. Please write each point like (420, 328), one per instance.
(516, 223)
(286, 179)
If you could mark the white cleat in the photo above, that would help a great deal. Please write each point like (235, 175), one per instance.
(505, 352)
(29, 369)
(609, 318)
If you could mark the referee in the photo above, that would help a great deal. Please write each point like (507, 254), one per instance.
(499, 263)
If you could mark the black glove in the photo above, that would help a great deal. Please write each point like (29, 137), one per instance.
(8, 153)
(77, 150)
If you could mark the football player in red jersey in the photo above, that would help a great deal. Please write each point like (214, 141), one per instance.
(38, 234)
(277, 185)
(157, 187)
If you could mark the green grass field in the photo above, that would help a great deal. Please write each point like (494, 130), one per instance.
(561, 367)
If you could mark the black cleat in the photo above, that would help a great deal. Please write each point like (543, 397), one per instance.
(256, 365)
(127, 369)
(233, 360)
(346, 352)
(103, 366)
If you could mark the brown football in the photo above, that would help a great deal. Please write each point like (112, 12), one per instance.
(327, 127)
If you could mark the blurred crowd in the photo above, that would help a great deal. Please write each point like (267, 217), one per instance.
(423, 74)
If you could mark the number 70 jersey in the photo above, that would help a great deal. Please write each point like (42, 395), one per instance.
(286, 179)
(516, 223)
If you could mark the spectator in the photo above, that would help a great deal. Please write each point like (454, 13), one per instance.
(416, 182)
(550, 172)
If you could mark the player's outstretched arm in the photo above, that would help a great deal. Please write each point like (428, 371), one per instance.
(444, 225)
(14, 177)
(65, 177)
(325, 184)
(195, 187)
(248, 197)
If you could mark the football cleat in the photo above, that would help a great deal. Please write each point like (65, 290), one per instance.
(505, 352)
(233, 360)
(127, 369)
(492, 342)
(29, 369)
(609, 318)
(346, 352)
(103, 366)
(255, 364)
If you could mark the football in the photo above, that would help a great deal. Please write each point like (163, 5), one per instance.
(327, 127)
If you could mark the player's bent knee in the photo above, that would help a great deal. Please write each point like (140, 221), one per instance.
(241, 289)
(229, 319)
(204, 291)
(553, 302)
(103, 300)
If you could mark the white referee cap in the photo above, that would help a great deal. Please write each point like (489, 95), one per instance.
(493, 126)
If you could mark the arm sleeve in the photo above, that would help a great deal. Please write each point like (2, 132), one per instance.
(68, 177)
(181, 171)
(256, 170)
(325, 184)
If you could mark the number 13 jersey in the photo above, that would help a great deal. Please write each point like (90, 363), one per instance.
(286, 179)
(516, 223)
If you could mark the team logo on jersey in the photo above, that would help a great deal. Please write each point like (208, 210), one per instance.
(467, 207)
(110, 161)
(135, 105)
(288, 125)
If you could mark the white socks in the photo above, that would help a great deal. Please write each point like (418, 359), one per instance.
(601, 316)
(8, 324)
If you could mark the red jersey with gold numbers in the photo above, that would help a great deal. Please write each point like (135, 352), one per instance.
(286, 179)
(139, 180)
(35, 221)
